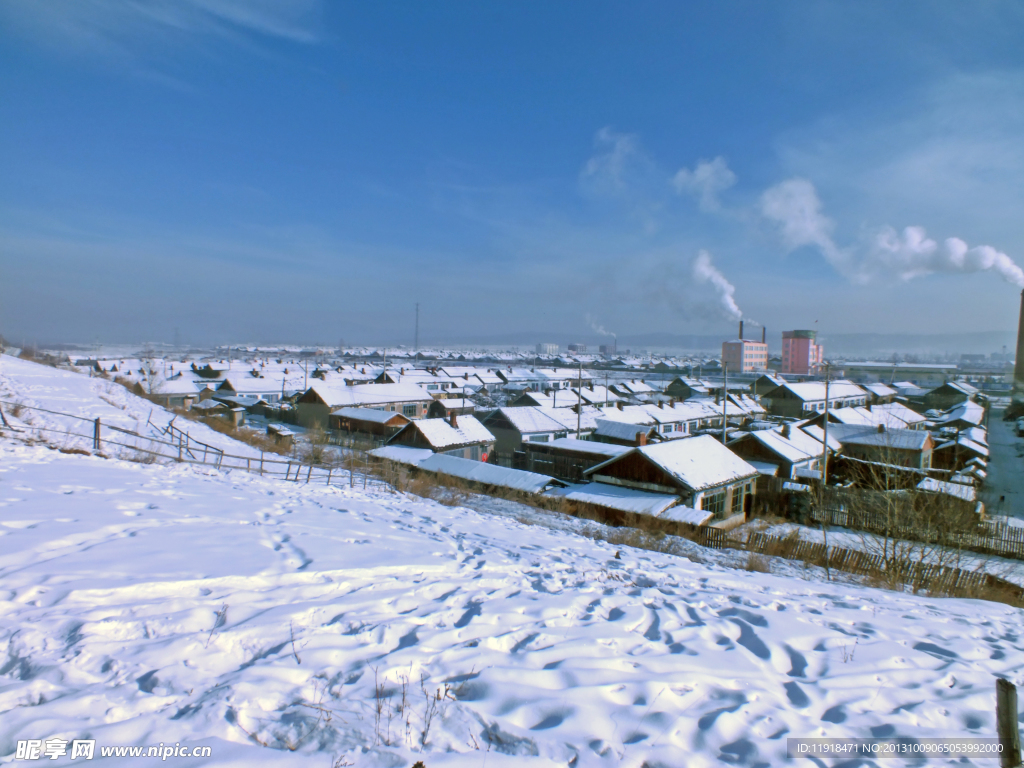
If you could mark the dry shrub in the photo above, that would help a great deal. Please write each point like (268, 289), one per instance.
(315, 451)
(75, 451)
(251, 437)
(444, 490)
(16, 409)
(758, 563)
(140, 456)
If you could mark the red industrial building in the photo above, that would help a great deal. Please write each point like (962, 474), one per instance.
(800, 352)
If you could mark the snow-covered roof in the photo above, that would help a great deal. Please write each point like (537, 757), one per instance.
(368, 394)
(879, 390)
(683, 514)
(901, 439)
(528, 419)
(488, 474)
(620, 430)
(764, 468)
(586, 446)
(815, 390)
(965, 492)
(696, 462)
(372, 415)
(456, 403)
(818, 434)
(798, 446)
(617, 497)
(402, 454)
(442, 435)
(971, 445)
(968, 412)
(208, 405)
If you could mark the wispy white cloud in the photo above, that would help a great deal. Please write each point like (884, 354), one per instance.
(706, 182)
(138, 33)
(610, 168)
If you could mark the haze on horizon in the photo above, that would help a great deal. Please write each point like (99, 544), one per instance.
(242, 170)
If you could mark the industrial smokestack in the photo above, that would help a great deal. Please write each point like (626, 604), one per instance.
(1018, 368)
(764, 335)
(741, 329)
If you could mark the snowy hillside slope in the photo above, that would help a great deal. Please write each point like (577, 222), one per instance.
(147, 604)
(77, 394)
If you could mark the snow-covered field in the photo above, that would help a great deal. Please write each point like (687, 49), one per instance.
(286, 624)
(42, 387)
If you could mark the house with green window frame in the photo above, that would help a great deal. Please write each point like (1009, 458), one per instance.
(701, 471)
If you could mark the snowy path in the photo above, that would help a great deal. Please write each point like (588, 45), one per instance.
(146, 604)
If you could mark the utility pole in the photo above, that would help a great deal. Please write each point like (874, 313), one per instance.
(824, 461)
(579, 399)
(725, 399)
(416, 338)
(824, 479)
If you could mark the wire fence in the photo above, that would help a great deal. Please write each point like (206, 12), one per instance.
(180, 446)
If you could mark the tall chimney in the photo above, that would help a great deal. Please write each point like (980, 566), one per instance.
(764, 335)
(741, 329)
(1018, 369)
(454, 419)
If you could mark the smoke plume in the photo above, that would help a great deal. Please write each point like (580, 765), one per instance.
(598, 328)
(794, 207)
(706, 272)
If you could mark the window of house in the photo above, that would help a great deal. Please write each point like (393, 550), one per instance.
(539, 438)
(737, 500)
(714, 503)
(409, 410)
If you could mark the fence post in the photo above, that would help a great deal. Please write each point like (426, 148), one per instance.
(96, 434)
(1006, 723)
(308, 474)
(329, 471)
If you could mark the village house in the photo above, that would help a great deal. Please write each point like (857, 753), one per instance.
(316, 403)
(890, 416)
(799, 400)
(683, 388)
(964, 416)
(462, 436)
(370, 422)
(701, 471)
(624, 433)
(443, 409)
(567, 458)
(910, 448)
(633, 389)
(879, 394)
(792, 452)
(513, 426)
(949, 395)
(766, 383)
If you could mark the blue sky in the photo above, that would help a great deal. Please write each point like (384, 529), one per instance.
(306, 171)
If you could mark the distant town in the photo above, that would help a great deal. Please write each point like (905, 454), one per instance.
(767, 426)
